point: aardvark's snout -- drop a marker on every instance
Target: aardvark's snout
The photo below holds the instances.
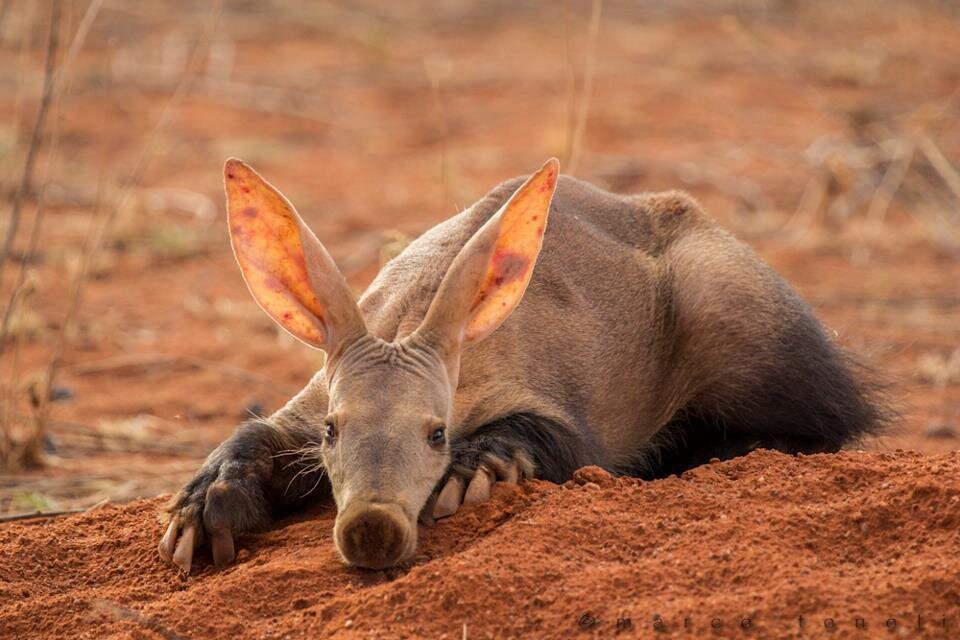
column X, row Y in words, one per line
column 374, row 535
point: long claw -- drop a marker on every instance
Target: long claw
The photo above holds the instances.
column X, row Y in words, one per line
column 426, row 514
column 169, row 540
column 183, row 556
column 480, row 485
column 221, row 542
column 450, row 498
column 513, row 474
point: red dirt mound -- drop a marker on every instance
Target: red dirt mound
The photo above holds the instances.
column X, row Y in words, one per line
column 763, row 546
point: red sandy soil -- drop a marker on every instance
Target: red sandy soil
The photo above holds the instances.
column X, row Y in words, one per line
column 756, row 542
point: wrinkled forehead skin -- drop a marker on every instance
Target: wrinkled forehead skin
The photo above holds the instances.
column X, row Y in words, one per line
column 378, row 378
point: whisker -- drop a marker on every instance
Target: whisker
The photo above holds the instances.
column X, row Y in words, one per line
column 296, row 475
column 317, row 483
column 286, row 452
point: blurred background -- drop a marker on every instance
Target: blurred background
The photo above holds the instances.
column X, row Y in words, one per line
column 825, row 134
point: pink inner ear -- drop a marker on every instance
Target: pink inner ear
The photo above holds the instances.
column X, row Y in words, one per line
column 506, row 267
column 522, row 225
column 265, row 233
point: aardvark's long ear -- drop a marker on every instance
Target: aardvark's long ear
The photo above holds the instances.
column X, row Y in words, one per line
column 289, row 273
column 487, row 279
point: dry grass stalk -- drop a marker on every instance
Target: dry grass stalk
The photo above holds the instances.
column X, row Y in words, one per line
column 29, row 452
column 436, row 71
column 590, row 64
column 8, row 445
column 900, row 162
column 9, row 455
column 54, row 82
column 98, row 234
column 59, row 77
column 571, row 88
column 939, row 162
column 847, row 173
column 901, row 159
column 26, row 180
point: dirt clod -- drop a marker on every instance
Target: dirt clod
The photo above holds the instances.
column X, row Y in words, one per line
column 593, row 475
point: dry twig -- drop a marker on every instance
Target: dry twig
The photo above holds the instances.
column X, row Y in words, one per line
column 31, row 449
column 26, row 180
column 56, row 85
column 940, row 163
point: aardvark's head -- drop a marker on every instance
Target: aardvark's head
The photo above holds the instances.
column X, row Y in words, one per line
column 384, row 439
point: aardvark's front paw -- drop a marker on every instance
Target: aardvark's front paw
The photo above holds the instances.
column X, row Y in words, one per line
column 472, row 477
column 224, row 500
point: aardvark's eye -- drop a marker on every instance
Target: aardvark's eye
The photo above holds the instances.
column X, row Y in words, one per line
column 438, row 437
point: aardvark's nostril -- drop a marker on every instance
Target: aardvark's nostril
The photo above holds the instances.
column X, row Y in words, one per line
column 374, row 535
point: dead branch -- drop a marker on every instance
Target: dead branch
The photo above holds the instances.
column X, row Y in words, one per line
column 36, row 515
column 56, row 89
column 98, row 237
column 26, row 180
